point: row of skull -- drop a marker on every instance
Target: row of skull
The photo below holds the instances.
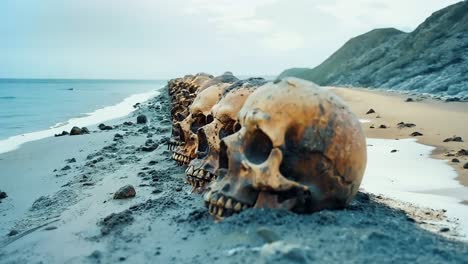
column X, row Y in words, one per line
column 286, row 144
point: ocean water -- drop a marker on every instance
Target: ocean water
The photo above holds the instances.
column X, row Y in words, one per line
column 31, row 106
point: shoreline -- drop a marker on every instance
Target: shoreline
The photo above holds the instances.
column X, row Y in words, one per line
column 107, row 113
column 435, row 119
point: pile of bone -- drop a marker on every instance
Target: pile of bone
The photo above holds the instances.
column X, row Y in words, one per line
column 287, row 144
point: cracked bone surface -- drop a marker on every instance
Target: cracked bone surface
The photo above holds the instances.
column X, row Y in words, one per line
column 184, row 142
column 202, row 169
column 300, row 148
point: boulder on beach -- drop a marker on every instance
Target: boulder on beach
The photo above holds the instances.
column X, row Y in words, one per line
column 75, row 131
column 118, row 137
column 465, row 166
column 128, row 191
column 84, row 130
column 3, row 195
column 104, row 127
column 142, row 119
column 371, row 111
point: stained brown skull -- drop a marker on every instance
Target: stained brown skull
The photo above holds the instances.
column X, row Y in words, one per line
column 202, row 169
column 183, row 91
column 185, row 131
column 300, row 148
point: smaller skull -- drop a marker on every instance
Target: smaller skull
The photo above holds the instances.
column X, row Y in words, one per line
column 185, row 131
column 202, row 169
column 300, row 148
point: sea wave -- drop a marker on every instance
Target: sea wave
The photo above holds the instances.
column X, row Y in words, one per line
column 100, row 115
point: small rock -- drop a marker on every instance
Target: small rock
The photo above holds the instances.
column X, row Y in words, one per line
column 372, row 126
column 465, row 166
column 444, row 229
column 3, row 195
column 393, row 151
column 128, row 123
column 455, row 160
column 128, row 191
column 118, row 137
column 144, row 129
column 282, row 252
column 50, row 228
column 64, row 133
column 403, row 125
column 378, row 116
column 104, row 127
column 383, row 126
column 409, row 99
column 142, row 119
column 72, row 160
column 75, row 131
column 371, row 111
column 66, row 168
column 84, row 130
column 462, row 152
column 13, row 233
column 454, row 139
column 416, row 134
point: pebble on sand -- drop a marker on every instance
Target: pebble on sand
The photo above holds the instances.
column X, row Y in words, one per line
column 465, row 166
column 371, row 111
column 128, row 191
column 142, row 119
column 416, row 134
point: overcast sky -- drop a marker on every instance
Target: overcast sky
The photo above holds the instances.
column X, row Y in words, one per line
column 156, row 39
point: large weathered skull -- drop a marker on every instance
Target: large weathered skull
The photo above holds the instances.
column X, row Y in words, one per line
column 202, row 169
column 185, row 131
column 300, row 148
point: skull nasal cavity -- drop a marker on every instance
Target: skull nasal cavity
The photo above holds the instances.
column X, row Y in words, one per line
column 179, row 133
column 203, row 147
column 258, row 147
column 223, row 157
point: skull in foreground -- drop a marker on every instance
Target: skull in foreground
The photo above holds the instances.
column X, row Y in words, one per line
column 300, row 148
column 185, row 132
column 202, row 169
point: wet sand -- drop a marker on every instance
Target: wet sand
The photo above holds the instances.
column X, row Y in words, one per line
column 435, row 119
column 74, row 219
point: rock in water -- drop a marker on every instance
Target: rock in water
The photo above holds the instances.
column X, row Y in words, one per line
column 75, row 131
column 84, row 130
column 3, row 195
column 128, row 191
column 142, row 119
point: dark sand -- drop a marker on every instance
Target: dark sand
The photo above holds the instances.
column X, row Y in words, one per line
column 81, row 223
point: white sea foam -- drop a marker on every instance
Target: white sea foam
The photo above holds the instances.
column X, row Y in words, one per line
column 411, row 175
column 107, row 113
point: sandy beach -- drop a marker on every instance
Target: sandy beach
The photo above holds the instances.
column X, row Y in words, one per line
column 58, row 215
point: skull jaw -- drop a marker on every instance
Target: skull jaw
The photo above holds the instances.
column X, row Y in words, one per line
column 201, row 172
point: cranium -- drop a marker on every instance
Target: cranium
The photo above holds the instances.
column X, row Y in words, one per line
column 183, row 91
column 202, row 169
column 300, row 148
column 185, row 131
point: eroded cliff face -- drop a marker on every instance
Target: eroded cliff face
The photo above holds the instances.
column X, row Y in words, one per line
column 431, row 59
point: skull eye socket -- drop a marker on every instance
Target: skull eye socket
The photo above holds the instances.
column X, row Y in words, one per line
column 199, row 121
column 223, row 161
column 237, row 127
column 203, row 147
column 258, row 147
column 209, row 118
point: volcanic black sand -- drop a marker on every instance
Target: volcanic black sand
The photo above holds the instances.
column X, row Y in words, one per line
column 164, row 223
